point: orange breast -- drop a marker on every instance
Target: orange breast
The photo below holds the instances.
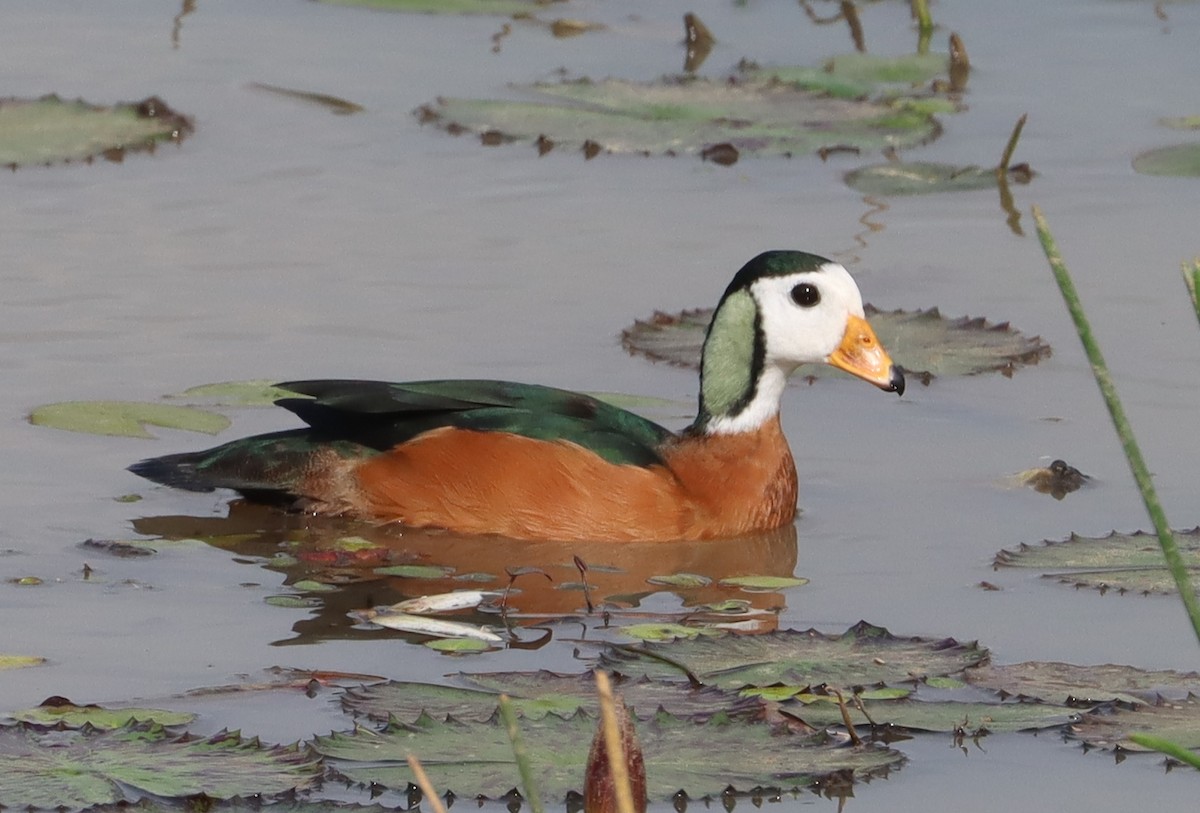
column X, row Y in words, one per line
column 496, row 483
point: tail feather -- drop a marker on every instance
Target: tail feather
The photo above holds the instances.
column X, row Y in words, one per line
column 258, row 466
column 175, row 470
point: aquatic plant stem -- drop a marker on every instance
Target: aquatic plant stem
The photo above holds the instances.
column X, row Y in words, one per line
column 920, row 10
column 1141, row 474
column 1171, row 749
column 1191, row 278
column 425, row 785
column 617, row 766
column 520, row 755
column 1011, row 146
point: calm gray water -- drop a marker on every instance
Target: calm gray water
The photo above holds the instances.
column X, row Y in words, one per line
column 280, row 241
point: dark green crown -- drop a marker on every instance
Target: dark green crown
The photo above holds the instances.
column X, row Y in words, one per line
column 774, row 264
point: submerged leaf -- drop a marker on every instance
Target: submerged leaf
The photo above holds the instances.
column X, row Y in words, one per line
column 923, row 342
column 701, row 759
column 864, row 655
column 1181, row 160
column 686, row 116
column 126, row 418
column 51, row 130
column 1121, row 562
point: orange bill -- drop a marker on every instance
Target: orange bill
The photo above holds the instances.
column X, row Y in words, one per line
column 861, row 354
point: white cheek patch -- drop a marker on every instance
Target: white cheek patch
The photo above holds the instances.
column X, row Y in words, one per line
column 798, row 335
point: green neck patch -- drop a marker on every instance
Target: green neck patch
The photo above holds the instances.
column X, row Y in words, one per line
column 732, row 359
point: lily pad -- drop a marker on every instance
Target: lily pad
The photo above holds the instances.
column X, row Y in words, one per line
column 684, row 115
column 1177, row 721
column 475, row 759
column 764, row 583
column 51, row 130
column 458, row 645
column 917, row 715
column 415, row 571
column 680, row 580
column 61, row 712
column 1180, row 161
column 536, row 694
column 665, row 631
column 857, row 75
column 923, row 342
column 1071, row 685
column 126, row 418
column 255, row 392
column 865, row 655
column 1120, row 562
column 86, row 767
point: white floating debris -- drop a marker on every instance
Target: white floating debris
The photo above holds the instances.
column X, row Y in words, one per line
column 443, row 602
column 423, row 625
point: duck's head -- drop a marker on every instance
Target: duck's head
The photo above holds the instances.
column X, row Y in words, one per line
column 784, row 309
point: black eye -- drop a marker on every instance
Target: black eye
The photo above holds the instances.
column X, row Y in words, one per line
column 806, row 295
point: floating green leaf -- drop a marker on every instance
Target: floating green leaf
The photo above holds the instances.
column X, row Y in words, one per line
column 1068, row 684
column 85, row 767
column 459, row 645
column 19, row 661
column 923, row 342
column 701, row 759
column 72, row 716
column 665, row 631
column 1181, row 122
column 680, row 580
column 126, row 418
column 685, row 116
column 293, row 602
column 764, row 583
column 1180, row 161
column 255, row 392
column 415, row 571
column 1120, row 562
column 49, row 130
column 856, row 75
column 865, row 655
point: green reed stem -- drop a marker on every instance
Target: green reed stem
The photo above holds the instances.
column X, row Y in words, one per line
column 1191, row 277
column 1171, row 749
column 520, row 755
column 920, row 10
column 1133, row 454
